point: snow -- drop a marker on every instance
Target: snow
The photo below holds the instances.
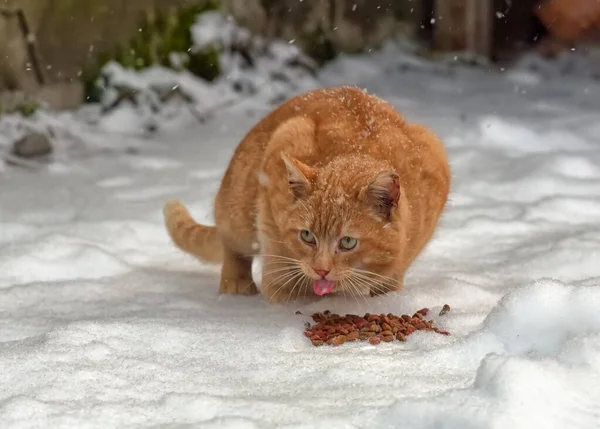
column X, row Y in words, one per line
column 103, row 323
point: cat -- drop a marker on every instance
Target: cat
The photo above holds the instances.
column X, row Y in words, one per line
column 334, row 190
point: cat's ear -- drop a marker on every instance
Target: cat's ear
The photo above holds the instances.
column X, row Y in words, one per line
column 300, row 176
column 383, row 193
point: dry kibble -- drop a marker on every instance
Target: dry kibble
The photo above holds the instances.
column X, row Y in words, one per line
column 374, row 340
column 445, row 309
column 420, row 326
column 373, row 318
column 423, row 312
column 338, row 340
column 336, row 330
column 352, row 336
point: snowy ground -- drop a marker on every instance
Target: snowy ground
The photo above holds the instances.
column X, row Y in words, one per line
column 104, row 324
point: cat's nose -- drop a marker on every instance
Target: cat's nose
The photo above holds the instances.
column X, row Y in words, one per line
column 322, row 273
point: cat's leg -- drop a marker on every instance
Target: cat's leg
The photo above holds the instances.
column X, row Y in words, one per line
column 281, row 283
column 236, row 274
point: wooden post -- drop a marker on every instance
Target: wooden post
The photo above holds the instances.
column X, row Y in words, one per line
column 463, row 25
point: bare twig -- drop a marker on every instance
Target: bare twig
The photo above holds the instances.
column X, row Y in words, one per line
column 29, row 38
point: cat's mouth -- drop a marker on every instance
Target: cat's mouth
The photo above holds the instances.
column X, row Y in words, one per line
column 323, row 286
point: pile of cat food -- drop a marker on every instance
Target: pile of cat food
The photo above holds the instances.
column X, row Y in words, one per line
column 335, row 330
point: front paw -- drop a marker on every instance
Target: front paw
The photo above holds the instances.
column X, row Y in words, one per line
column 237, row 286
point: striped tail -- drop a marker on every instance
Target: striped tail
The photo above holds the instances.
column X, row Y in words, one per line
column 199, row 240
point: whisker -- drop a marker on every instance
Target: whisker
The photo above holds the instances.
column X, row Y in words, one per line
column 282, row 277
column 279, row 270
column 297, row 274
column 293, row 289
column 385, row 281
column 356, row 292
column 360, row 285
column 374, row 282
column 371, row 273
column 280, row 257
column 345, row 285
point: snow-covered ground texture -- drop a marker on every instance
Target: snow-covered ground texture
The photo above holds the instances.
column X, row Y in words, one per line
column 104, row 324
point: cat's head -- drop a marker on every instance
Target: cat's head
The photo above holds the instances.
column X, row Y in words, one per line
column 343, row 224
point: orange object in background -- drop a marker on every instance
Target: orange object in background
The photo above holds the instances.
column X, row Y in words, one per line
column 569, row 20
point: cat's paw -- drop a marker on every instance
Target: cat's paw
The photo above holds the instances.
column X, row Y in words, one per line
column 237, row 286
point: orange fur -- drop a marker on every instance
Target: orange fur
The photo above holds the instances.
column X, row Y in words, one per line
column 337, row 162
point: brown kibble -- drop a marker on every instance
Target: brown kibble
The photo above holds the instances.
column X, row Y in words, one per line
column 352, row 336
column 361, row 323
column 298, row 312
column 423, row 312
column 338, row 340
column 420, row 326
column 335, row 330
column 373, row 318
column 445, row 309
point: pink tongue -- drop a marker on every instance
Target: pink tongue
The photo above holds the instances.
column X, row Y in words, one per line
column 323, row 287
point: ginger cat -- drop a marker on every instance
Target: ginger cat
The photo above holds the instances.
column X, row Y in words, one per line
column 333, row 189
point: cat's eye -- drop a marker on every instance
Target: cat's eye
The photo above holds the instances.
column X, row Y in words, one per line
column 348, row 243
column 308, row 237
